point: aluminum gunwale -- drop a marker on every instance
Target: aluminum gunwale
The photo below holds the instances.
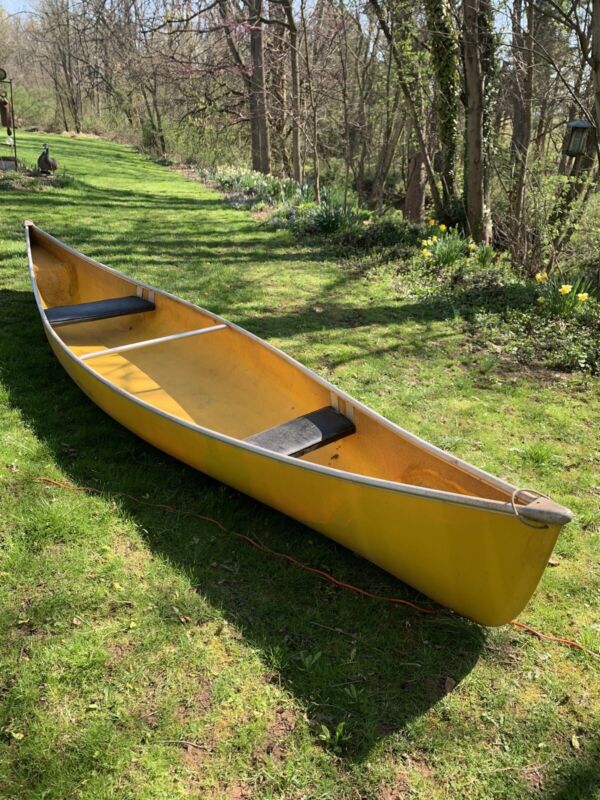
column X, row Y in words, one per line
column 495, row 506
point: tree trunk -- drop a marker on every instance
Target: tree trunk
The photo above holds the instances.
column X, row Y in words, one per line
column 522, row 95
column 275, row 58
column 411, row 106
column 314, row 113
column 385, row 159
column 414, row 203
column 476, row 28
column 294, row 90
column 257, row 87
column 249, row 85
column 160, row 133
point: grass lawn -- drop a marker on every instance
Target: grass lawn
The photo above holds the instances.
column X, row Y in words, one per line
column 128, row 631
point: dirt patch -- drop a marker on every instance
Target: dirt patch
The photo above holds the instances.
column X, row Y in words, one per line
column 533, row 777
column 117, row 652
column 399, row 790
column 505, row 653
column 278, row 731
column 229, row 791
column 203, row 700
column 238, row 791
column 418, row 763
column 192, row 757
column 135, row 556
column 200, row 705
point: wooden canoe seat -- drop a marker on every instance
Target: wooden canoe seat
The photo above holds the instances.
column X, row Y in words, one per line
column 306, row 433
column 100, row 309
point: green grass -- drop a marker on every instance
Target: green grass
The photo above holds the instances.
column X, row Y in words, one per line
column 126, row 630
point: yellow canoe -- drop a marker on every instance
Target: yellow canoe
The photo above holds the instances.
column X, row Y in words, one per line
column 231, row 405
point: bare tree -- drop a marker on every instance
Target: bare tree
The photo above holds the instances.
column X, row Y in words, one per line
column 478, row 53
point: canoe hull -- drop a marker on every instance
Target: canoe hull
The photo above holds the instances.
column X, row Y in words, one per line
column 482, row 564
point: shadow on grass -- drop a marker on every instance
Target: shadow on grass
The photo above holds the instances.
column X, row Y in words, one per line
column 333, row 314
column 347, row 659
column 579, row 779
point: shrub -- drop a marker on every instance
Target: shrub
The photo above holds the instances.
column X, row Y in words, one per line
column 328, row 217
column 317, row 219
column 485, row 256
column 444, row 248
column 389, row 231
column 250, row 188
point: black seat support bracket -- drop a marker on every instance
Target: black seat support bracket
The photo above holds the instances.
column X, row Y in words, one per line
column 306, row 433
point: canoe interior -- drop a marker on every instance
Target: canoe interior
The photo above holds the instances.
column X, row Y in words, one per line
column 225, row 380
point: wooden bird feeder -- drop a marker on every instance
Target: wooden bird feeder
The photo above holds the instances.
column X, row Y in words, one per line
column 577, row 134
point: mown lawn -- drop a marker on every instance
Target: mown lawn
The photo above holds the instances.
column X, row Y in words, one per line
column 128, row 631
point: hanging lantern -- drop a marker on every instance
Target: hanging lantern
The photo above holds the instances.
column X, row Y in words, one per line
column 2, row 74
column 577, row 133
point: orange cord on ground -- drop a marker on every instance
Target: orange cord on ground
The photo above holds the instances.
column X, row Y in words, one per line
column 313, row 570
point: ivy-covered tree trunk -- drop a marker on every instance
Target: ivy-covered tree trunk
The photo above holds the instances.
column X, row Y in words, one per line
column 576, row 191
column 445, row 54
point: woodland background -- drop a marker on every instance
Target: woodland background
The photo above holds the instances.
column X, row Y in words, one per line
column 446, row 108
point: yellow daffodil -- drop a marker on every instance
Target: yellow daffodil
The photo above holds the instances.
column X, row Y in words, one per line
column 565, row 288
column 582, row 297
column 426, row 253
column 541, row 277
column 472, row 247
column 541, row 299
column 443, row 228
column 432, row 222
column 434, row 238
